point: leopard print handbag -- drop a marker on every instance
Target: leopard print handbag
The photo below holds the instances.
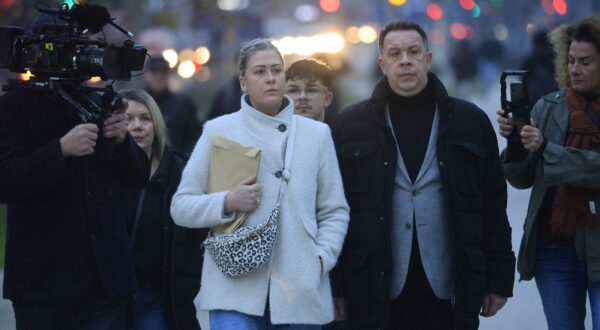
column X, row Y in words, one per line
column 248, row 248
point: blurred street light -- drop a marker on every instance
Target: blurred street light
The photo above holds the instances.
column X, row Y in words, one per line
column 186, row 69
column 6, row 4
column 186, row 54
column 435, row 11
column 201, row 55
column 459, row 31
column 306, row 13
column 560, row 6
column 500, row 32
column 476, row 11
column 367, row 34
column 231, row 5
column 467, row 4
column 397, row 3
column 170, row 55
column 329, row 6
column 352, row 35
column 331, row 42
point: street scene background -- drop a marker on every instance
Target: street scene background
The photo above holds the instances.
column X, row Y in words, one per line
column 471, row 41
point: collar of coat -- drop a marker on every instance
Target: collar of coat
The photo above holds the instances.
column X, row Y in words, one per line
column 443, row 102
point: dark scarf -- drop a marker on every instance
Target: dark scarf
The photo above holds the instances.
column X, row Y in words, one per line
column 571, row 204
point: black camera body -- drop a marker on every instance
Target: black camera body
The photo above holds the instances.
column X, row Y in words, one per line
column 518, row 105
column 61, row 57
column 62, row 49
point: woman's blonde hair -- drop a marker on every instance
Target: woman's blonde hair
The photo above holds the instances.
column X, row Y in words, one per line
column 161, row 140
column 587, row 30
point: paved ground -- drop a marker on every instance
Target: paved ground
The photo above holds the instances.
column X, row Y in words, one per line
column 523, row 311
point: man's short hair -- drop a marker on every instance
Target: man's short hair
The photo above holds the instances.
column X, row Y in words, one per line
column 402, row 26
column 311, row 70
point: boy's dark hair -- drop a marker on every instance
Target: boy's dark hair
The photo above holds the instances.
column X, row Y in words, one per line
column 402, row 26
column 311, row 70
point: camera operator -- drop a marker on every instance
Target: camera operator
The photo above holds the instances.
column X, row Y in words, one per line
column 68, row 264
column 558, row 156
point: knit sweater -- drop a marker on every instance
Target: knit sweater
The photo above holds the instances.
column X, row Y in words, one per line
column 313, row 218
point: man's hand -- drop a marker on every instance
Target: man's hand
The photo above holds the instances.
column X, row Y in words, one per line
column 492, row 303
column 79, row 141
column 339, row 308
column 116, row 127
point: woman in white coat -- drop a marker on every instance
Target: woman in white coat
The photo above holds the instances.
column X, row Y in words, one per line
column 293, row 289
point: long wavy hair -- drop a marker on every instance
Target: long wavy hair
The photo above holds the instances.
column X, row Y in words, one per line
column 587, row 30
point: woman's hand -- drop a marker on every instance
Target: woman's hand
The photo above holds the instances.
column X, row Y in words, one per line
column 531, row 137
column 505, row 124
column 244, row 197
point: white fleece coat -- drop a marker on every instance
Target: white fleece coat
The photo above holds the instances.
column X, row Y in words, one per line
column 313, row 218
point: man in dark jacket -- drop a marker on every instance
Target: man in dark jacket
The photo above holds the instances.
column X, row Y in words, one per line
column 429, row 244
column 179, row 110
column 68, row 264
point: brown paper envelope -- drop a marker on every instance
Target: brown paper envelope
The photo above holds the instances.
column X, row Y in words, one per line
column 230, row 163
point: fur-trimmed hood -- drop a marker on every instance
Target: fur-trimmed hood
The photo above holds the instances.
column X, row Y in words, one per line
column 559, row 38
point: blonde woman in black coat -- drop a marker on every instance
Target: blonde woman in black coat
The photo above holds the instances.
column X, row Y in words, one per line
column 167, row 258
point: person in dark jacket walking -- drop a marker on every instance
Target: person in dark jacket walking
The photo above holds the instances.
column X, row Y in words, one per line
column 68, row 264
column 429, row 243
column 179, row 111
column 167, row 258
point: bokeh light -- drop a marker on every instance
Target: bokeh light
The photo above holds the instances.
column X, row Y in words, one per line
column 352, row 35
column 500, row 32
column 186, row 69
column 560, row 6
column 459, row 31
column 548, row 7
column 434, row 11
column 467, row 4
column 331, row 42
column 201, row 55
column 329, row 6
column 367, row 34
column 230, row 5
column 397, row 3
column 171, row 56
column 94, row 80
column 476, row 12
column 26, row 76
column 306, row 13
column 186, row 54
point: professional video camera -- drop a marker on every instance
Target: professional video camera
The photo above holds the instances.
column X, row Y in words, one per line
column 61, row 57
column 60, row 47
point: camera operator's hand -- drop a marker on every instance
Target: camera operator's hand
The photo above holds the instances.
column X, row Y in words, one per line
column 532, row 137
column 116, row 127
column 79, row 141
column 505, row 124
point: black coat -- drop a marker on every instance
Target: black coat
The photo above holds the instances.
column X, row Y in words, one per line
column 475, row 198
column 183, row 250
column 66, row 216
